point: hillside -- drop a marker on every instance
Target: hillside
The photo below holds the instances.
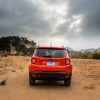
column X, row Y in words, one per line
column 16, row 45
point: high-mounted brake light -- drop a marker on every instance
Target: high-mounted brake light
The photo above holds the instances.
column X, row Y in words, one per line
column 67, row 61
column 33, row 60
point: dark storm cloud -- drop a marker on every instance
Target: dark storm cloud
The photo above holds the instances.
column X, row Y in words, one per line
column 66, row 19
column 90, row 9
column 21, row 16
column 3, row 13
column 24, row 16
column 90, row 23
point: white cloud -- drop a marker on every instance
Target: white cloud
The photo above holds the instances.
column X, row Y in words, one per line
column 77, row 19
column 56, row 41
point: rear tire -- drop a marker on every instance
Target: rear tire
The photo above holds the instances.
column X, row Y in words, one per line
column 67, row 82
column 31, row 80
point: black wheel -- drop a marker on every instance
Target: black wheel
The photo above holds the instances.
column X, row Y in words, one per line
column 31, row 80
column 67, row 82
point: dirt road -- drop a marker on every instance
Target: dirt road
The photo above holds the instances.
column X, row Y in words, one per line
column 84, row 87
column 17, row 88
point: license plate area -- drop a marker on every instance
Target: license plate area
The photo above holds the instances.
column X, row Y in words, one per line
column 50, row 63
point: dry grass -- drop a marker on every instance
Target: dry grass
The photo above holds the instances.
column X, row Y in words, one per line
column 13, row 64
column 21, row 65
column 87, row 66
column 3, row 54
column 90, row 86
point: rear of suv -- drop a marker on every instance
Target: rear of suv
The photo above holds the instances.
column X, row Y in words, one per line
column 50, row 63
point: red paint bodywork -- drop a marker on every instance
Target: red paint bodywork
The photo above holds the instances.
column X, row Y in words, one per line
column 60, row 65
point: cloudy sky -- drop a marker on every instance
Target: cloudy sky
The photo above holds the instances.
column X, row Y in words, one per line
column 69, row 23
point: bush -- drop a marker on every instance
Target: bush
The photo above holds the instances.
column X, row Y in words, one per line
column 96, row 55
column 85, row 55
column 3, row 82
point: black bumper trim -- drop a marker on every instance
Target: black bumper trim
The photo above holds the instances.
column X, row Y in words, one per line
column 44, row 75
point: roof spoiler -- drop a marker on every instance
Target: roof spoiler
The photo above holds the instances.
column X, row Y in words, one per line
column 62, row 46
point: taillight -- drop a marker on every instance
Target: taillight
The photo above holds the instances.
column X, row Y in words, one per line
column 33, row 60
column 67, row 61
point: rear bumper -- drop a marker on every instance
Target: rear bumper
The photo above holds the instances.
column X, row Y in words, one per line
column 42, row 75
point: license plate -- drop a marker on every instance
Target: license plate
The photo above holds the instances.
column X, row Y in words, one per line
column 50, row 63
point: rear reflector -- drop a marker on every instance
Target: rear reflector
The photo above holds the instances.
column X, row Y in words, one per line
column 67, row 76
column 33, row 75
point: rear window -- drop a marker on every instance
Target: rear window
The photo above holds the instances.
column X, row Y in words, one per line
column 51, row 52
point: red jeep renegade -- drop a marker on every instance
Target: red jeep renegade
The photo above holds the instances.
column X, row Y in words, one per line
column 50, row 63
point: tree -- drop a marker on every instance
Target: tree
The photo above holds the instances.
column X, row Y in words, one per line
column 96, row 54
